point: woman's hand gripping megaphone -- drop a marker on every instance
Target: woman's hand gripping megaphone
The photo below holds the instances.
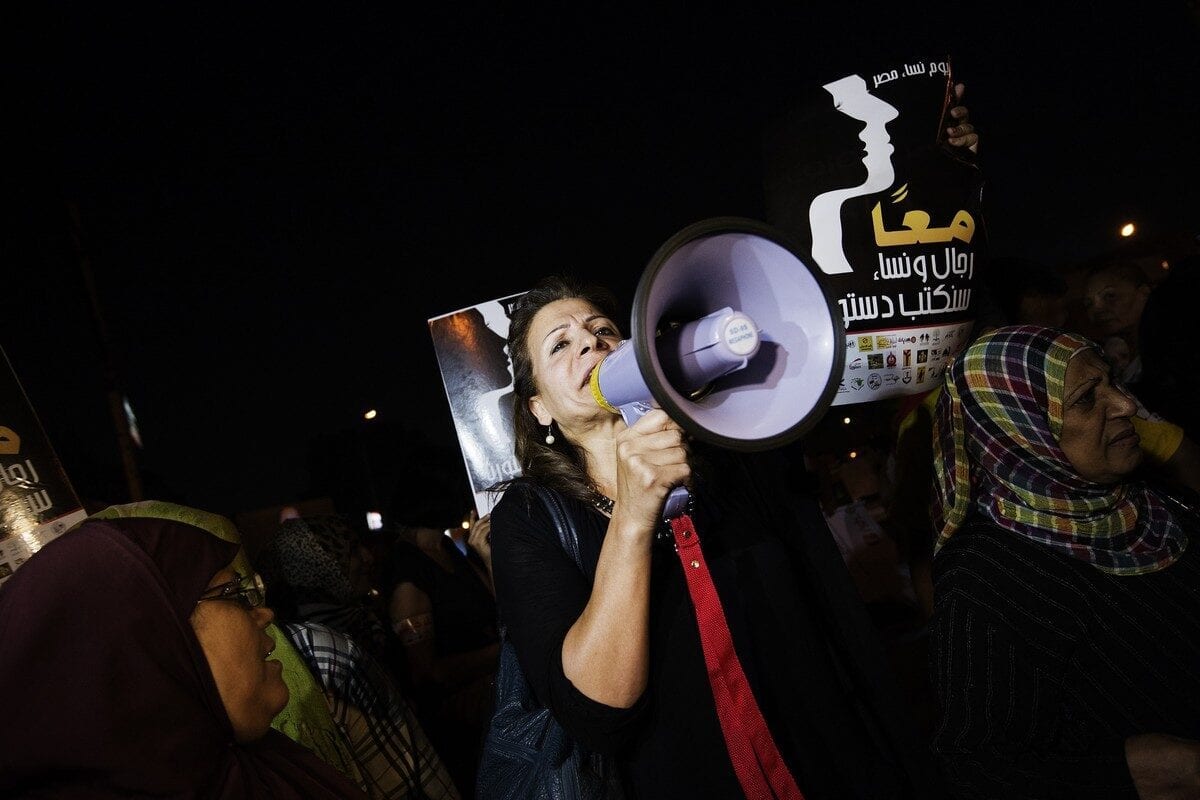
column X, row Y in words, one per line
column 692, row 356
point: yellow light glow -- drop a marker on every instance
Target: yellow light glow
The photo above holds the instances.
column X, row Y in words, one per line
column 372, row 414
column 854, row 454
column 1128, row 229
column 846, row 420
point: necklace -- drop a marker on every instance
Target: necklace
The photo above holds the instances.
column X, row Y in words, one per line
column 662, row 534
column 602, row 502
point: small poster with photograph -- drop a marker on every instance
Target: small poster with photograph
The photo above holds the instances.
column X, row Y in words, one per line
column 471, row 351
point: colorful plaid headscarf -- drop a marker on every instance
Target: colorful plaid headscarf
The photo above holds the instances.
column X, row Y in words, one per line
column 996, row 430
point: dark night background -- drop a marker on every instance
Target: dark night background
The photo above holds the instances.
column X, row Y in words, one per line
column 272, row 199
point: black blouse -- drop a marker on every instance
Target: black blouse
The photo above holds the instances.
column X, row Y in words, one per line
column 800, row 631
column 1044, row 665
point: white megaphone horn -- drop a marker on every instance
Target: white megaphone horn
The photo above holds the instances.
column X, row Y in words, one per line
column 732, row 335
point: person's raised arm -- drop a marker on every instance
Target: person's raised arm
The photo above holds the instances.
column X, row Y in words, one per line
column 962, row 133
column 606, row 652
column 479, row 539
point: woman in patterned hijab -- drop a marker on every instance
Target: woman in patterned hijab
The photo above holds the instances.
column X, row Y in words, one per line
column 318, row 577
column 1065, row 639
column 315, row 572
column 999, row 429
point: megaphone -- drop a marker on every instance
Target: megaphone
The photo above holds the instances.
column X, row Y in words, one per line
column 732, row 335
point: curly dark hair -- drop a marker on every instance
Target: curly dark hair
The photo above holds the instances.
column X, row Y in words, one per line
column 560, row 466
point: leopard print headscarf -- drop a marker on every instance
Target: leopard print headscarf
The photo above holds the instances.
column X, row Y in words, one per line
column 309, row 562
column 312, row 556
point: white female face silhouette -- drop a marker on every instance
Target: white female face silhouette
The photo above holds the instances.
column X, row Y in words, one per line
column 850, row 97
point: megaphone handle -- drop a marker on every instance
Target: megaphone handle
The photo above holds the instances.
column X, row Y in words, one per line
column 677, row 503
column 677, row 500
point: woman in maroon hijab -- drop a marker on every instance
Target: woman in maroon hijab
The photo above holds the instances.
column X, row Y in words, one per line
column 134, row 663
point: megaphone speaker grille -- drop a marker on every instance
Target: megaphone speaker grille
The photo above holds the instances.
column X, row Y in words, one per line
column 790, row 382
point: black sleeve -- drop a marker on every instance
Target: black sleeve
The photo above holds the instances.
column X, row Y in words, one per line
column 1007, row 727
column 541, row 593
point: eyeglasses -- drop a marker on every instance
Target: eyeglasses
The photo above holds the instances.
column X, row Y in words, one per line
column 250, row 591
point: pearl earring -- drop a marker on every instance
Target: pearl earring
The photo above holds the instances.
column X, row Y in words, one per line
column 549, row 434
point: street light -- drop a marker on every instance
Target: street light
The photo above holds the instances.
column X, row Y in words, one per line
column 1128, row 229
column 374, row 518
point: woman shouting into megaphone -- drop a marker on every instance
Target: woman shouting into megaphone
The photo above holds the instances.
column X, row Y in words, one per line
column 723, row 653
